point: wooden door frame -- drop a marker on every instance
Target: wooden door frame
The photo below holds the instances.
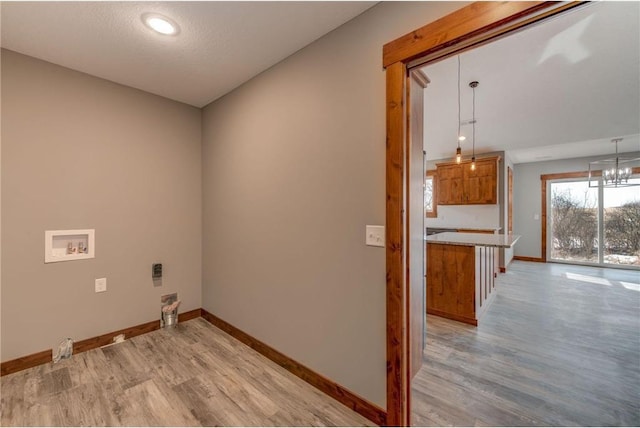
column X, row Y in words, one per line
column 463, row 29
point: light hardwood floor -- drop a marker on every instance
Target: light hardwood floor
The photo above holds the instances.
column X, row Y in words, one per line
column 192, row 375
column 560, row 346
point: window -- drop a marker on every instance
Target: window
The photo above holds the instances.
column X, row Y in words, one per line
column 431, row 194
column 597, row 226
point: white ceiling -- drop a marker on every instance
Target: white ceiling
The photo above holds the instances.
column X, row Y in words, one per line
column 561, row 89
column 220, row 45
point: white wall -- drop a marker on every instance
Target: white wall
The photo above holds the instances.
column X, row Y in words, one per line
column 293, row 170
column 527, row 198
column 466, row 216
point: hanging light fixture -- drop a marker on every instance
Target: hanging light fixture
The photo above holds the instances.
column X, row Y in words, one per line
column 460, row 137
column 473, row 86
column 615, row 172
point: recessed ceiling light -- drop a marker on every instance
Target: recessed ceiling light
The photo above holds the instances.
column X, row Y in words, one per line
column 160, row 24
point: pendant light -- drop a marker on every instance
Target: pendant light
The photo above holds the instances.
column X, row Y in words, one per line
column 460, row 137
column 615, row 172
column 473, row 86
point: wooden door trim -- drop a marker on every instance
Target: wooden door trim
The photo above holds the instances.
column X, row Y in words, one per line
column 471, row 24
column 476, row 23
column 397, row 368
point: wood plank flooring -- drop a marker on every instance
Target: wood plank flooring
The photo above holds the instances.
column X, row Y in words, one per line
column 193, row 375
column 560, row 346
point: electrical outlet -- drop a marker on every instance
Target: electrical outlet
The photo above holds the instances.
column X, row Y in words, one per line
column 101, row 285
column 375, row 236
column 156, row 271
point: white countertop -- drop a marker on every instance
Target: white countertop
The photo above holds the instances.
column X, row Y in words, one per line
column 475, row 239
column 494, row 228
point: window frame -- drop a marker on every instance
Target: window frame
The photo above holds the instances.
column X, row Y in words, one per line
column 433, row 213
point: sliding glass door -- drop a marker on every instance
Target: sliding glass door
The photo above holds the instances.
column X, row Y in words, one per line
column 574, row 221
column 621, row 225
column 593, row 225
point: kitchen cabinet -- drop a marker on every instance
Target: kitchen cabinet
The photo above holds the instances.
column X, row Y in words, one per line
column 460, row 277
column 450, row 186
column 459, row 185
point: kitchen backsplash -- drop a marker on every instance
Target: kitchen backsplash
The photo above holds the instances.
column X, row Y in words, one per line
column 460, row 216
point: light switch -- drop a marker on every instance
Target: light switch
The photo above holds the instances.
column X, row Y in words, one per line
column 375, row 236
column 101, row 285
column 536, row 216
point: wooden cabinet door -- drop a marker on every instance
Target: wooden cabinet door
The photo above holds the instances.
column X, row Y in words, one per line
column 481, row 185
column 450, row 185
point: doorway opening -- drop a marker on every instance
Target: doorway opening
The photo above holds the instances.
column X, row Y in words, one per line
column 468, row 27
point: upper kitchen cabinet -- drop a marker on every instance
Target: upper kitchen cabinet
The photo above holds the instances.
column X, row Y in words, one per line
column 450, row 184
column 459, row 185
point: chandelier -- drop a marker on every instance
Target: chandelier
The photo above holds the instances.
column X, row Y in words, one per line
column 615, row 172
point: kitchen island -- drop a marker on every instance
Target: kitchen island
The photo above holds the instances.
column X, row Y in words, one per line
column 461, row 273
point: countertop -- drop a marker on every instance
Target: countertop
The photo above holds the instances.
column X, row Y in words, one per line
column 476, row 239
column 497, row 228
column 455, row 228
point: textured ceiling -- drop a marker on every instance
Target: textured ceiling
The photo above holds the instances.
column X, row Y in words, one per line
column 561, row 89
column 220, row 45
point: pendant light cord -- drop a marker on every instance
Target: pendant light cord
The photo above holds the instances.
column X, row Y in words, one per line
column 458, row 101
column 473, row 114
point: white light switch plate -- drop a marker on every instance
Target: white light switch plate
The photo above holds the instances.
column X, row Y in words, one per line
column 375, row 236
column 101, row 285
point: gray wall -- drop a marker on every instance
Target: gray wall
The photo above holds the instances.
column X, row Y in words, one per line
column 527, row 198
column 507, row 253
column 293, row 170
column 81, row 152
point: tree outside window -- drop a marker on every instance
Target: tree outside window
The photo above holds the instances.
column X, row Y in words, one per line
column 430, row 194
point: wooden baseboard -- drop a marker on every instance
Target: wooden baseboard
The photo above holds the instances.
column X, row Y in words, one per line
column 25, row 362
column 503, row 269
column 329, row 387
column 189, row 315
column 44, row 357
column 106, row 339
column 529, row 259
column 454, row 317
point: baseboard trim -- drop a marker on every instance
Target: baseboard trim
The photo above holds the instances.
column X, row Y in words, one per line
column 189, row 315
column 529, row 259
column 329, row 387
column 106, row 339
column 80, row 346
column 503, row 269
column 25, row 362
column 459, row 318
